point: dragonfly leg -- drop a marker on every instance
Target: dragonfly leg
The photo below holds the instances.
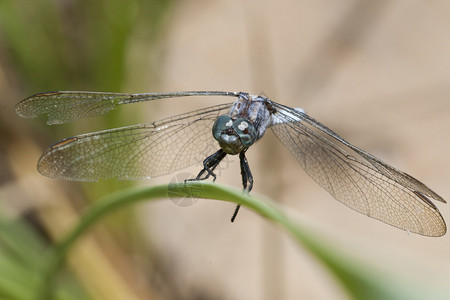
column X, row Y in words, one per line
column 247, row 178
column 209, row 164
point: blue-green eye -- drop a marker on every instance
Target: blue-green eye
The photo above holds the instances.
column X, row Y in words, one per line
column 221, row 124
column 246, row 132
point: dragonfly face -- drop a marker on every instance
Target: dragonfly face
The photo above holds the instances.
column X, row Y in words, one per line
column 248, row 119
column 233, row 135
column 350, row 174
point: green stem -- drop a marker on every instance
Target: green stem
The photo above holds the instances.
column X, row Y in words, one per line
column 359, row 280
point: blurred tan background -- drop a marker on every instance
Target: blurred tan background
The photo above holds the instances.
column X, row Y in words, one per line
column 376, row 72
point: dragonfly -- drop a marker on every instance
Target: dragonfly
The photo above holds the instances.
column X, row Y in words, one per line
column 351, row 175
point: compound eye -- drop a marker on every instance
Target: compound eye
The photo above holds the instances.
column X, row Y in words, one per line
column 246, row 132
column 222, row 124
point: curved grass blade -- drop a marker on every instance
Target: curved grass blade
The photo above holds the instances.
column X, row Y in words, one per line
column 359, row 280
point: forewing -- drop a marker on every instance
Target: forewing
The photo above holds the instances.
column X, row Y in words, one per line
column 135, row 152
column 357, row 178
column 66, row 106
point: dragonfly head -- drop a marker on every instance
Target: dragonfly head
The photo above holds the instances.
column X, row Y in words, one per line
column 234, row 135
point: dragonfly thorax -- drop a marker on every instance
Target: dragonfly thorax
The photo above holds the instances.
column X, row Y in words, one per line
column 233, row 135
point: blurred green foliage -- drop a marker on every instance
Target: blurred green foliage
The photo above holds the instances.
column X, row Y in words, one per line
column 49, row 45
column 23, row 261
column 76, row 44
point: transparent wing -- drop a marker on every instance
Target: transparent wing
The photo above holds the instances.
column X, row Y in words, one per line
column 357, row 178
column 62, row 107
column 135, row 152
